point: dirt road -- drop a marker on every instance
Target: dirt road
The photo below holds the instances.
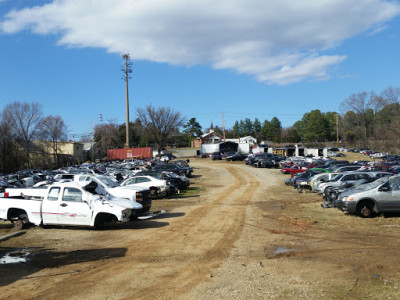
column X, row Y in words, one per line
column 239, row 233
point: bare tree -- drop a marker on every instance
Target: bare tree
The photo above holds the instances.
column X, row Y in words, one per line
column 10, row 159
column 25, row 121
column 160, row 123
column 364, row 105
column 53, row 129
column 391, row 95
column 106, row 137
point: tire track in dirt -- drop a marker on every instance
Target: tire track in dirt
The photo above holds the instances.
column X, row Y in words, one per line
column 170, row 261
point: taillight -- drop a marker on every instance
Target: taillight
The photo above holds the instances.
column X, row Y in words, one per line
column 6, row 195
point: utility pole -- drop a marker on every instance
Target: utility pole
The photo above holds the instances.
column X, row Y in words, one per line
column 223, row 125
column 127, row 70
column 337, row 130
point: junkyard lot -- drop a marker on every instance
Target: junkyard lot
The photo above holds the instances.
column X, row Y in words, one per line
column 219, row 242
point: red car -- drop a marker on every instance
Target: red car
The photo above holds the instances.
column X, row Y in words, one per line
column 294, row 170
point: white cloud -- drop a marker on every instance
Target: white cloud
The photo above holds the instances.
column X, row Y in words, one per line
column 277, row 42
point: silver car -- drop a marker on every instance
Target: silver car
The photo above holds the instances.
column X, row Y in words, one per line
column 341, row 179
column 382, row 195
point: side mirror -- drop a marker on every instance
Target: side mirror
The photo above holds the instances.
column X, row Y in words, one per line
column 384, row 188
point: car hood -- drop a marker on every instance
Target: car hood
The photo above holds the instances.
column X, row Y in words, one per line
column 125, row 203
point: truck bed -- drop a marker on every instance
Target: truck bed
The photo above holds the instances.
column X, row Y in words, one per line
column 29, row 193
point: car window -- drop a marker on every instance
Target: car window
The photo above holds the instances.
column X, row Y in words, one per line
column 142, row 179
column 337, row 177
column 72, row 194
column 364, row 176
column 84, row 178
column 323, row 177
column 395, row 183
column 348, row 177
column 130, row 181
column 53, row 194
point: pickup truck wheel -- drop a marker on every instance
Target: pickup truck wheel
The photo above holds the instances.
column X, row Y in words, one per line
column 99, row 223
column 18, row 225
column 21, row 222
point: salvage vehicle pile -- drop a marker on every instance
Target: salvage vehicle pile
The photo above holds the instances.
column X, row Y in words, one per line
column 365, row 188
column 90, row 194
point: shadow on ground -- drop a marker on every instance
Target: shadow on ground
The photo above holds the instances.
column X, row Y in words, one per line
column 40, row 258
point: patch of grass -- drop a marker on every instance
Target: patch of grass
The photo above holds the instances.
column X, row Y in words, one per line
column 186, row 193
column 350, row 156
column 369, row 286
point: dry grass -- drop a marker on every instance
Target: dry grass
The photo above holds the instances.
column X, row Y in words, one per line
column 350, row 156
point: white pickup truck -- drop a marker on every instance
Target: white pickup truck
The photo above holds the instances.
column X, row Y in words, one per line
column 105, row 185
column 65, row 203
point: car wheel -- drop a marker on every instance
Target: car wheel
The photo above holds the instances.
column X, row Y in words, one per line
column 366, row 209
column 99, row 222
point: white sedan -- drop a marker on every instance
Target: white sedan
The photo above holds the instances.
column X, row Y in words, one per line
column 156, row 186
column 378, row 155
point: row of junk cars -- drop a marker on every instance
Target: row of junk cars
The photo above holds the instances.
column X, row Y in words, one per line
column 153, row 178
column 365, row 188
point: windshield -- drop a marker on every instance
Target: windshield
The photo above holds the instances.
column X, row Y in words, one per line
column 107, row 181
column 373, row 184
column 337, row 177
column 172, row 175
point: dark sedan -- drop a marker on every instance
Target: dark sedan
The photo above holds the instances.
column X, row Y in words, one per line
column 236, row 156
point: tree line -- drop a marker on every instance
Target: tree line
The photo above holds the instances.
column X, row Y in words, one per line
column 365, row 120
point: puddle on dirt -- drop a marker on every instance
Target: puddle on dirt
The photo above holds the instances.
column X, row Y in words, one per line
column 278, row 206
column 16, row 256
column 282, row 252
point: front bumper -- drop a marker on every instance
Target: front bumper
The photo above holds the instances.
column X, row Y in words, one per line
column 144, row 199
column 346, row 206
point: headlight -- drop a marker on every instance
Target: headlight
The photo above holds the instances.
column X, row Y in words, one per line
column 344, row 198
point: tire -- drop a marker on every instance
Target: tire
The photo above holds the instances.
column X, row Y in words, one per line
column 22, row 222
column 99, row 222
column 365, row 209
column 18, row 225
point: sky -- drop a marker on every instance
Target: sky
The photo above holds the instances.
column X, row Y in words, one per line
column 216, row 61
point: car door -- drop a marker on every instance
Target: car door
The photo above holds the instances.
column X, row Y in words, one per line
column 347, row 178
column 143, row 182
column 50, row 206
column 72, row 210
column 389, row 200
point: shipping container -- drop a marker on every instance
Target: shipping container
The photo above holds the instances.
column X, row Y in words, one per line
column 129, row 153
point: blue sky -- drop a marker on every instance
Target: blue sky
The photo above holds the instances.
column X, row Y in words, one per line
column 246, row 59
